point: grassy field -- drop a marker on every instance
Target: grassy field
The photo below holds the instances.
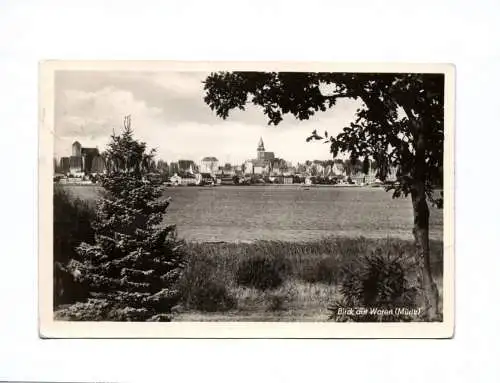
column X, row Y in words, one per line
column 305, row 275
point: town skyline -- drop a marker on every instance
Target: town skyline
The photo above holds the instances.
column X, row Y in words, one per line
column 86, row 165
column 169, row 114
column 220, row 160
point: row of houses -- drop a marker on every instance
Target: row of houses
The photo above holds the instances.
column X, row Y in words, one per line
column 188, row 179
column 200, row 179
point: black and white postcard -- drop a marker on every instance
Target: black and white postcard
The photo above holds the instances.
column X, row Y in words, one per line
column 246, row 200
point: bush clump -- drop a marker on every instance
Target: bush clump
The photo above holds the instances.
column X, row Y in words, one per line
column 202, row 290
column 72, row 225
column 379, row 280
column 262, row 272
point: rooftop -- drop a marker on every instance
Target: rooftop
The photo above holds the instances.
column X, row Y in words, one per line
column 210, row 159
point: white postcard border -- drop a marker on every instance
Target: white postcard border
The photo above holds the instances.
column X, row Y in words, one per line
column 49, row 328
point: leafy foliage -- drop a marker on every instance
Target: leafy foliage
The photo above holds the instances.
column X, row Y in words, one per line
column 135, row 262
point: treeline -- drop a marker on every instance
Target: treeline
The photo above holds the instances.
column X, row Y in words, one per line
column 350, row 166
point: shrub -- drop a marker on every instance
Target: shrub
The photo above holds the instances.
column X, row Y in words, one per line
column 326, row 270
column 377, row 280
column 72, row 225
column 201, row 289
column 262, row 272
column 210, row 296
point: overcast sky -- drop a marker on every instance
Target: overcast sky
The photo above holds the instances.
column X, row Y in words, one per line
column 168, row 113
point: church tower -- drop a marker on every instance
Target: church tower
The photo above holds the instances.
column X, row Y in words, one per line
column 76, row 149
column 260, row 150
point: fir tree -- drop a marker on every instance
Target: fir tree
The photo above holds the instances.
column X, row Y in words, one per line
column 133, row 267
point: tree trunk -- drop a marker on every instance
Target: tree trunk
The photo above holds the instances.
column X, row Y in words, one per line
column 429, row 295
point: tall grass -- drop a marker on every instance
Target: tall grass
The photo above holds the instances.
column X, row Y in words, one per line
column 308, row 261
column 202, row 290
column 285, row 279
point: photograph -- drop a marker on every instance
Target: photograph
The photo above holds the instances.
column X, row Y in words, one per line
column 241, row 200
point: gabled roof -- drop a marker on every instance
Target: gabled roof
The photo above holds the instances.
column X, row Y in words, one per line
column 210, row 159
column 260, row 163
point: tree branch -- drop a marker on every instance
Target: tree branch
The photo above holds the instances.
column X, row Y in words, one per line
column 343, row 95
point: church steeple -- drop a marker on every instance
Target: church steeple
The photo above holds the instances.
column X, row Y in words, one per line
column 260, row 149
column 261, row 145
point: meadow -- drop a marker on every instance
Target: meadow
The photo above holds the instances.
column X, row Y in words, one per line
column 271, row 253
column 279, row 281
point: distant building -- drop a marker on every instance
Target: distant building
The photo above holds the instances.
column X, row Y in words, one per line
column 188, row 179
column 338, row 169
column 281, row 179
column 263, row 163
column 260, row 167
column 75, row 165
column 76, row 149
column 228, row 170
column 83, row 161
column 319, row 168
column 184, row 179
column 219, row 172
column 262, row 154
column 64, row 165
column 247, row 167
column 176, row 179
column 204, row 179
column 209, row 165
column 362, row 178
